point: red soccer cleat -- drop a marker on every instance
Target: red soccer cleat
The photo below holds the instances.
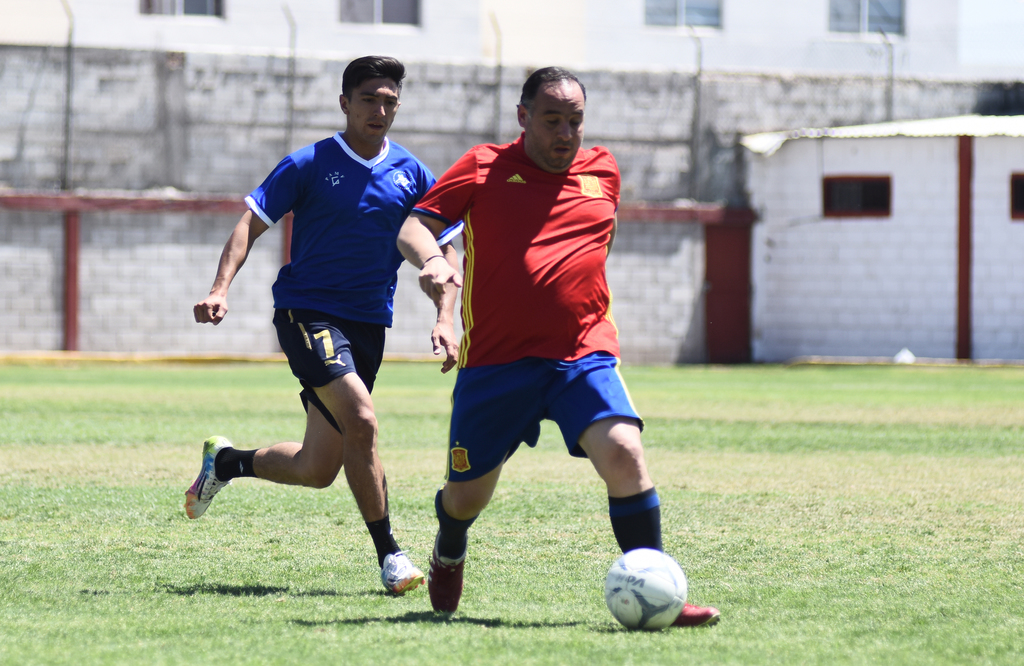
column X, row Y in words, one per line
column 697, row 616
column 444, row 583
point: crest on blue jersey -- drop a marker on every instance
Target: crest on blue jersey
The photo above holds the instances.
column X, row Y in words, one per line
column 401, row 179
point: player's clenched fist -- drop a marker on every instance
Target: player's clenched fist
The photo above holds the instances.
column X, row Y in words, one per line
column 435, row 275
column 210, row 310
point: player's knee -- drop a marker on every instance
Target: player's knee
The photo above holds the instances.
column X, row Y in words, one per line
column 625, row 457
column 467, row 508
column 361, row 430
column 466, row 500
column 321, row 477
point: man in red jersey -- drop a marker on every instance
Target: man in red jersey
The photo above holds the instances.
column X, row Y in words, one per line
column 538, row 340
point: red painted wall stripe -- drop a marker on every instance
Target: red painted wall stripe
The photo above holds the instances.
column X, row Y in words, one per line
column 963, row 298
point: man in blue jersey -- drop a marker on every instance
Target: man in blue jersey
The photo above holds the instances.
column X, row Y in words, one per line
column 350, row 195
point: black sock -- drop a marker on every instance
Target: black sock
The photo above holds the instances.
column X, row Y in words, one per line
column 452, row 537
column 231, row 463
column 383, row 539
column 636, row 520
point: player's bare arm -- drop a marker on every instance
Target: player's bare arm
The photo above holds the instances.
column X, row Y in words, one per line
column 417, row 241
column 213, row 308
column 443, row 336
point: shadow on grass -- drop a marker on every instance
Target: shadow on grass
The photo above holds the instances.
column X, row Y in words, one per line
column 430, row 617
column 244, row 591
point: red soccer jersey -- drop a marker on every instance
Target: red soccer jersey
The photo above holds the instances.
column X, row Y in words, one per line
column 535, row 250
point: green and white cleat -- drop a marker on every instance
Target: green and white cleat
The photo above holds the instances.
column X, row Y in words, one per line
column 399, row 574
column 206, row 485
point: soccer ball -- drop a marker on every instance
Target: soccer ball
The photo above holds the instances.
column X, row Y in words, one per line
column 645, row 589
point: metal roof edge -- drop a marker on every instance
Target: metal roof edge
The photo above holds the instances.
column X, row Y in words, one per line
column 766, row 143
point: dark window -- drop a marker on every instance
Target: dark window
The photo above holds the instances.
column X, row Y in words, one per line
column 188, row 7
column 866, row 16
column 1017, row 196
column 380, row 11
column 857, row 196
column 683, row 12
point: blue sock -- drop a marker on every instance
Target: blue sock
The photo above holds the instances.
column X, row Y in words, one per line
column 636, row 520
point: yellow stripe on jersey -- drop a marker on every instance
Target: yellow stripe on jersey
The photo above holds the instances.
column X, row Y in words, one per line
column 467, row 291
column 608, row 314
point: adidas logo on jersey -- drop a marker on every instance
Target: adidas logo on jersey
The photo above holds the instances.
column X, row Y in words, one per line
column 516, row 179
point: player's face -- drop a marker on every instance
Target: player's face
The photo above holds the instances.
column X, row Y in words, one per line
column 371, row 109
column 554, row 126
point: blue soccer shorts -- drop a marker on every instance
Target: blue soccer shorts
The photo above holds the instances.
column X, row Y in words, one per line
column 321, row 347
column 495, row 408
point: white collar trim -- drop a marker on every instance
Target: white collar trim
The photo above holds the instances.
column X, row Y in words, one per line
column 369, row 164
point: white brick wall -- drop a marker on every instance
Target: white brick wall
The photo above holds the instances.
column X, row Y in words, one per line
column 998, row 289
column 856, row 286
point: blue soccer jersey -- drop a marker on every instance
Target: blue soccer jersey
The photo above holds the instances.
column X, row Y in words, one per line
column 347, row 214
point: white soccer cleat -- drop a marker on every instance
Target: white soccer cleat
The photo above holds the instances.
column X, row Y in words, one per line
column 399, row 574
column 206, row 485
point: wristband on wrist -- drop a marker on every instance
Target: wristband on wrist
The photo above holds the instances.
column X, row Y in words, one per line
column 436, row 256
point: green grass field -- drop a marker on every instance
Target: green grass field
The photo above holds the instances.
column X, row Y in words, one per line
column 854, row 515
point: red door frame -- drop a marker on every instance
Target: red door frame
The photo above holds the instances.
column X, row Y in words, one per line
column 727, row 292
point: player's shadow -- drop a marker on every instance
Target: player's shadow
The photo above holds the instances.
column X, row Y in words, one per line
column 429, row 617
column 243, row 591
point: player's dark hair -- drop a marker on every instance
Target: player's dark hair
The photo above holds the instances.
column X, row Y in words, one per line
column 546, row 75
column 371, row 67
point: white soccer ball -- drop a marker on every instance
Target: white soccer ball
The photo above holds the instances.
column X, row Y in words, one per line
column 645, row 589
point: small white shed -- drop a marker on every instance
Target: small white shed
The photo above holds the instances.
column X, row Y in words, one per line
column 878, row 237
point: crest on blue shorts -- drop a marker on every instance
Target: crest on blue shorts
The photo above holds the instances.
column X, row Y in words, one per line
column 460, row 459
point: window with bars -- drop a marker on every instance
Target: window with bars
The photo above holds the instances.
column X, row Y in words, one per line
column 866, row 16
column 857, row 196
column 183, row 7
column 381, row 11
column 1017, row 196
column 683, row 12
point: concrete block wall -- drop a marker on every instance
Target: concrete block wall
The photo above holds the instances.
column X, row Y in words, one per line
column 140, row 275
column 656, row 275
column 31, row 280
column 217, row 123
column 855, row 286
column 997, row 297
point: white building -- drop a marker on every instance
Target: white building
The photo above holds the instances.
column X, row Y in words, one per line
column 880, row 237
column 960, row 39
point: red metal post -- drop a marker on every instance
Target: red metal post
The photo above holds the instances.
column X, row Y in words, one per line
column 286, row 242
column 963, row 300
column 72, row 247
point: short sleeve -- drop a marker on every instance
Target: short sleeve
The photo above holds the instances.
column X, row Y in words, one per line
column 452, row 195
column 277, row 194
